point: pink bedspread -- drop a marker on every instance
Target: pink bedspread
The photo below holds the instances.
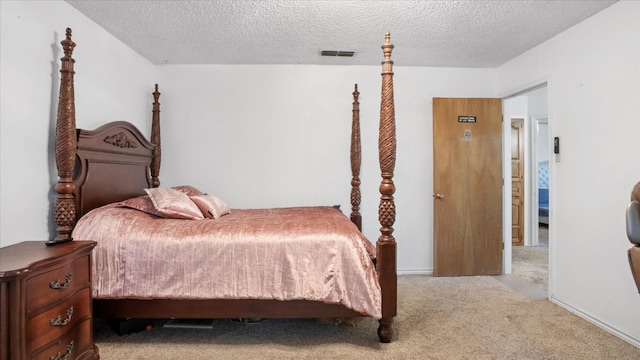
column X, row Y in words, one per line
column 311, row 253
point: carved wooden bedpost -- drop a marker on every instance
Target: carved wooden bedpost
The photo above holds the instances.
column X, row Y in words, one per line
column 155, row 139
column 386, row 245
column 65, row 147
column 356, row 217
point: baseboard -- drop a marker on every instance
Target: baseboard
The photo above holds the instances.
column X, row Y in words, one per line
column 622, row 335
column 415, row 272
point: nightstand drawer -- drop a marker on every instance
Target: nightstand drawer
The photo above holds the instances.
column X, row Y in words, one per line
column 40, row 284
column 73, row 343
column 58, row 321
column 56, row 283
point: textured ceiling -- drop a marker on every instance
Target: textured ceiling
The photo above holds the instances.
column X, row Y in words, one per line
column 463, row 33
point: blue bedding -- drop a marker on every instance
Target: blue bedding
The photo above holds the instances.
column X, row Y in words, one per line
column 543, row 200
column 543, row 192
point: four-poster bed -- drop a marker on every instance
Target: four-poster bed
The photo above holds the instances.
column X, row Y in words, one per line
column 114, row 168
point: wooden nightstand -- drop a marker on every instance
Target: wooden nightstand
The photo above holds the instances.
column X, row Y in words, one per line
column 45, row 301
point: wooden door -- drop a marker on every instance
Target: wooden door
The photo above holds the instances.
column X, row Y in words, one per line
column 467, row 186
column 517, row 182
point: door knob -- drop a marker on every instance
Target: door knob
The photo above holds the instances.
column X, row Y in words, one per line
column 440, row 196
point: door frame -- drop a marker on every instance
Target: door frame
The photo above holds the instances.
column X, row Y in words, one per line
column 531, row 177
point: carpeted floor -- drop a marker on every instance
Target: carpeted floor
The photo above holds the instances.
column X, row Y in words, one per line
column 475, row 317
column 532, row 264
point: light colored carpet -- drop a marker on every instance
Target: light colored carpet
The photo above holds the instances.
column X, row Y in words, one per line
column 438, row 318
column 531, row 264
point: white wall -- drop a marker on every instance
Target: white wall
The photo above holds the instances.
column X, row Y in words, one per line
column 112, row 83
column 263, row 136
column 593, row 74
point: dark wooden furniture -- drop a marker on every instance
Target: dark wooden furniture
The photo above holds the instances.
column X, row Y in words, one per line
column 45, row 301
column 123, row 162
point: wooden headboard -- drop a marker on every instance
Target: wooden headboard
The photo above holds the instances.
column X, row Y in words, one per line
column 118, row 157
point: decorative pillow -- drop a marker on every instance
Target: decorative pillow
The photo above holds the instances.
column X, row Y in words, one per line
column 174, row 204
column 142, row 203
column 211, row 206
column 188, row 189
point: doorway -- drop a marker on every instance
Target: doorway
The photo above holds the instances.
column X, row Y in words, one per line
column 532, row 106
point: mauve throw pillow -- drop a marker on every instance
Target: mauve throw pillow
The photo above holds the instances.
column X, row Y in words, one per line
column 211, row 206
column 189, row 190
column 174, row 204
column 142, row 203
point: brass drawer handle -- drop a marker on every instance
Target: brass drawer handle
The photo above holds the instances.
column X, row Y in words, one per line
column 56, row 284
column 66, row 356
column 59, row 322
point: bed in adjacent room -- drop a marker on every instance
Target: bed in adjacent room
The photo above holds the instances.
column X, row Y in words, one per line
column 543, row 192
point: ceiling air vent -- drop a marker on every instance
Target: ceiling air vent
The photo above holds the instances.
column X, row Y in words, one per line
column 337, row 53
